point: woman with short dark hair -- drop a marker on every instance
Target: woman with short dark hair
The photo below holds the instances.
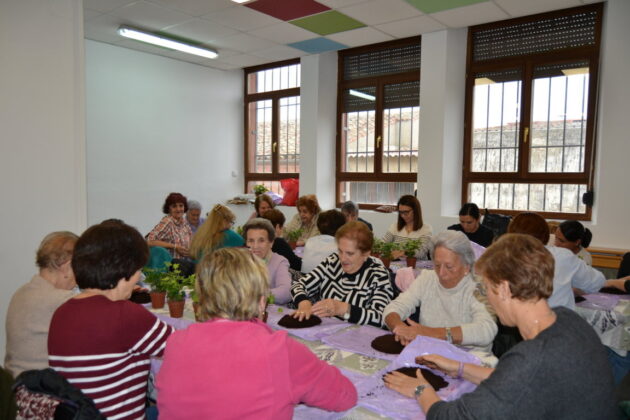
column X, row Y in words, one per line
column 573, row 236
column 173, row 232
column 469, row 223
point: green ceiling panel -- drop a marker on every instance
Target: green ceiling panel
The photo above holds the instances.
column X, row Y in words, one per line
column 327, row 23
column 432, row 6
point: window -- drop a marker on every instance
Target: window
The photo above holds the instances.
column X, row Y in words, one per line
column 272, row 124
column 530, row 113
column 378, row 121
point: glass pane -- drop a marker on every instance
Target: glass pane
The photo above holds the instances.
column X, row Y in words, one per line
column 375, row 192
column 289, row 136
column 496, row 121
column 564, row 198
column 559, row 113
column 357, row 132
column 273, row 186
column 401, row 120
column 286, row 77
column 259, row 136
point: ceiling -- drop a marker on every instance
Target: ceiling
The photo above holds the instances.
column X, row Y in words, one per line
column 264, row 31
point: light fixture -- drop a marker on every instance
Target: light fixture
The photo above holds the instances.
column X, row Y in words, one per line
column 362, row 95
column 165, row 42
column 241, row 1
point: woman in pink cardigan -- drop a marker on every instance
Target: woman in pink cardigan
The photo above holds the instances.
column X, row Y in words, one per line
column 233, row 365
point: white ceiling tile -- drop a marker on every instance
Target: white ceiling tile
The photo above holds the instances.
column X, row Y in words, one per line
column 411, row 27
column 361, row 36
column 374, row 12
column 105, row 6
column 278, row 53
column 521, row 8
column 150, row 16
column 245, row 60
column 242, row 18
column 474, row 14
column 283, row 33
column 243, row 43
column 195, row 7
column 103, row 28
column 218, row 65
column 200, row 30
column 90, row 14
column 335, row 4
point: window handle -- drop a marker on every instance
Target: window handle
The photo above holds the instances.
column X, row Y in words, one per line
column 525, row 135
column 273, row 147
column 378, row 141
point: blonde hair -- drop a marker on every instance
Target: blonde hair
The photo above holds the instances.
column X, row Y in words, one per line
column 55, row 249
column 230, row 284
column 210, row 235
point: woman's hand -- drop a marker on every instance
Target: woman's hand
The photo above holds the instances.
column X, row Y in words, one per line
column 303, row 310
column 406, row 332
column 397, row 254
column 330, row 307
column 441, row 363
column 299, row 243
column 403, row 384
column 182, row 251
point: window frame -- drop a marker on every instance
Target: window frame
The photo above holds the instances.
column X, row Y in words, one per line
column 527, row 63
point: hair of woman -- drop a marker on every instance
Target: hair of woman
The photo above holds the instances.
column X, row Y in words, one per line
column 329, row 221
column 458, row 243
column 410, row 201
column 309, row 202
column 470, row 209
column 574, row 231
column 209, row 236
column 261, row 224
column 275, row 216
column 532, row 224
column 55, row 249
column 358, row 232
column 174, row 198
column 259, row 199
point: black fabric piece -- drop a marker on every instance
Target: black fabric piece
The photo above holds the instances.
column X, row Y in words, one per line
column 624, row 267
column 482, row 236
column 506, row 338
column 282, row 247
column 186, row 267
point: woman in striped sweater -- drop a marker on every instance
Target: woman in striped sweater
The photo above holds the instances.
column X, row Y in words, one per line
column 409, row 226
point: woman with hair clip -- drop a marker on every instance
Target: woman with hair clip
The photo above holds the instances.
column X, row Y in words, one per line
column 573, row 236
column 215, row 233
column 469, row 218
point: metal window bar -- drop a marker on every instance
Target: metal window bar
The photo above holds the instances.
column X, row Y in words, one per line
column 564, row 123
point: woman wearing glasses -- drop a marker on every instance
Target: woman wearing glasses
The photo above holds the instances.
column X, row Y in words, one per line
column 409, row 226
column 216, row 232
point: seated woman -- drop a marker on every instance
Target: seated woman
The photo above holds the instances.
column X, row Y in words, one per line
column 280, row 245
column 573, row 236
column 349, row 284
column 622, row 282
column 215, row 233
column 559, row 371
column 448, row 308
column 32, row 305
column 173, row 232
column 252, row 371
column 193, row 215
column 306, row 219
column 409, row 226
column 259, row 236
column 469, row 217
column 569, row 272
column 98, row 340
column 318, row 248
column 262, row 205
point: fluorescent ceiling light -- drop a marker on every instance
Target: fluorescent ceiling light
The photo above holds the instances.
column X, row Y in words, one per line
column 361, row 95
column 165, row 42
column 574, row 71
column 241, row 1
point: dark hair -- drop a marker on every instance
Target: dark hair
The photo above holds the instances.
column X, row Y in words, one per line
column 350, row 207
column 359, row 232
column 410, row 201
column 470, row 209
column 574, row 231
column 174, row 198
column 260, row 199
column 329, row 221
column 276, row 217
column 106, row 253
column 531, row 224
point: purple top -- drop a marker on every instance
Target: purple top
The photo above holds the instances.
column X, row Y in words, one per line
column 279, row 278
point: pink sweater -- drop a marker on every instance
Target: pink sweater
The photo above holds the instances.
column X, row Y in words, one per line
column 242, row 369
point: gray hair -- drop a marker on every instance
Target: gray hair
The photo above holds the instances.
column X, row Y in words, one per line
column 262, row 224
column 456, row 242
column 350, row 207
column 194, row 205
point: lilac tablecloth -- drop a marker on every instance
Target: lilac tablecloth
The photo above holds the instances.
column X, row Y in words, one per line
column 327, row 327
column 359, row 340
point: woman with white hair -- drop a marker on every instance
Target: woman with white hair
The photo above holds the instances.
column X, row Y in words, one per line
column 193, row 215
column 449, row 309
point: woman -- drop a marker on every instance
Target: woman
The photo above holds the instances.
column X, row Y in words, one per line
column 448, row 308
column 319, row 247
column 559, row 371
column 262, row 205
column 193, row 215
column 409, row 226
column 216, row 232
column 259, row 236
column 100, row 341
column 252, row 371
column 469, row 217
column 573, row 236
column 32, row 306
column 570, row 271
column 349, row 284
column 306, row 219
column 280, row 245
column 173, row 232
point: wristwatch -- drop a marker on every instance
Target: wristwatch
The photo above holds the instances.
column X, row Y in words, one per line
column 419, row 390
column 449, row 336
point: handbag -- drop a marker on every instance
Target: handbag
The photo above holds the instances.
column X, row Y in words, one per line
column 497, row 223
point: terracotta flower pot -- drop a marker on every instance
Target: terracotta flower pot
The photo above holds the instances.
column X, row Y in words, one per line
column 386, row 261
column 411, row 262
column 176, row 308
column 376, row 255
column 293, row 244
column 158, row 299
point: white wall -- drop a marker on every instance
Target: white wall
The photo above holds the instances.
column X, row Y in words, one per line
column 42, row 146
column 157, row 125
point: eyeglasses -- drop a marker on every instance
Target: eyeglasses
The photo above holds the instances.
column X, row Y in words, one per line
column 404, row 212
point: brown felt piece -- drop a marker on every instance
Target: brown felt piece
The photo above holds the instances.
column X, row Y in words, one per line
column 611, row 291
column 140, row 297
column 288, row 321
column 387, row 344
column 437, row 382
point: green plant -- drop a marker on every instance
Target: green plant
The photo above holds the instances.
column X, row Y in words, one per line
column 388, row 248
column 271, row 299
column 154, row 277
column 377, row 246
column 294, row 235
column 239, row 230
column 190, row 283
column 411, row 246
column 174, row 283
column 260, row 189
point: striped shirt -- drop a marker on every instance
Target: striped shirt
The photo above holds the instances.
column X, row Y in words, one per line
column 104, row 347
column 367, row 291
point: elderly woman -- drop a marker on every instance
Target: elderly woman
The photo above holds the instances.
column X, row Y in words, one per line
column 99, row 340
column 193, row 215
column 349, row 284
column 259, row 236
column 173, row 232
column 409, row 226
column 280, row 245
column 319, row 247
column 216, row 232
column 252, row 371
column 570, row 271
column 32, row 306
column 350, row 211
column 469, row 223
column 306, row 219
column 449, row 309
column 573, row 236
column 262, row 205
column 559, row 371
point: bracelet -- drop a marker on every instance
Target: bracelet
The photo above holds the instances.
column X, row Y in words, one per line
column 460, row 370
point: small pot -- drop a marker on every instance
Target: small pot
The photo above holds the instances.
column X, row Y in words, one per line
column 411, row 262
column 386, row 261
column 376, row 255
column 293, row 244
column 158, row 299
column 176, row 308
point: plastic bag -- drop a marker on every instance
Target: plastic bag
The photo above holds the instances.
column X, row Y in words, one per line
column 291, row 187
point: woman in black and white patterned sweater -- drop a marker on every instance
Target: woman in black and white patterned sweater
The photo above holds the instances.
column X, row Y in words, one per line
column 348, row 284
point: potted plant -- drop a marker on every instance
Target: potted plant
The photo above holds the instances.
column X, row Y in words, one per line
column 194, row 297
column 293, row 236
column 386, row 252
column 410, row 248
column 271, row 299
column 260, row 189
column 174, row 284
column 154, row 278
column 377, row 248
